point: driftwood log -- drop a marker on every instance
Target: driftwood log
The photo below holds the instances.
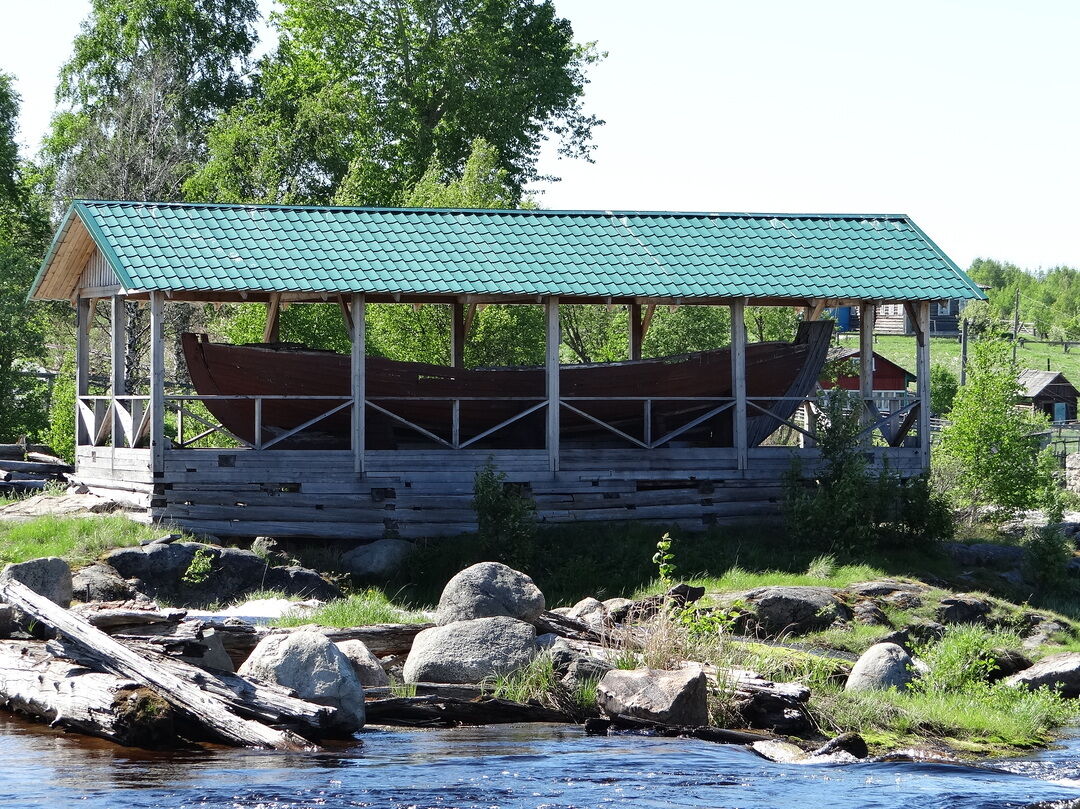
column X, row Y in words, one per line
column 195, row 704
column 66, row 694
column 264, row 702
column 443, row 711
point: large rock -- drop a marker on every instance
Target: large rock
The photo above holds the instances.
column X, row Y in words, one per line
column 49, row 576
column 489, row 590
column 963, row 609
column 795, row 610
column 100, row 582
column 1060, row 672
column 985, row 554
column 369, row 670
column 589, row 611
column 668, row 697
column 377, row 559
column 883, row 665
column 310, row 664
column 470, row 651
column 163, row 572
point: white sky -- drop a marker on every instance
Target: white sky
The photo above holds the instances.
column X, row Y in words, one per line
column 962, row 113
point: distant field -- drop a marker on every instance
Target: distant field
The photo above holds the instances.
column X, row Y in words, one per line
column 946, row 351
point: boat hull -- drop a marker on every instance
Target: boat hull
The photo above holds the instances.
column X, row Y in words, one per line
column 422, row 396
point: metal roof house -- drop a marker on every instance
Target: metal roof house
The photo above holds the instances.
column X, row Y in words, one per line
column 1048, row 392
column 359, row 257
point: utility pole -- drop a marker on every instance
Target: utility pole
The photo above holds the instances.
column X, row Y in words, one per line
column 1016, row 321
column 963, row 350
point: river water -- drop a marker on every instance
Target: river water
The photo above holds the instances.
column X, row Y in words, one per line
column 509, row 767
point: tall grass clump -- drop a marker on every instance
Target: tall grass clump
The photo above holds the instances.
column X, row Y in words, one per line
column 372, row 606
column 79, row 540
column 505, row 517
column 534, row 682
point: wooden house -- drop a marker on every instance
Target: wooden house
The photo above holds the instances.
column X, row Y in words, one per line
column 891, row 318
column 890, row 381
column 1048, row 392
column 140, row 446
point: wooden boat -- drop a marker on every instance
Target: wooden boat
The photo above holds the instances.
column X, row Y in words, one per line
column 413, row 404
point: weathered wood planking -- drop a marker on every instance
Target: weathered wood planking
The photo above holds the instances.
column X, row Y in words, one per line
column 423, row 493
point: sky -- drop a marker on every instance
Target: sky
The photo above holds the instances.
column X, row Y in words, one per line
column 962, row 114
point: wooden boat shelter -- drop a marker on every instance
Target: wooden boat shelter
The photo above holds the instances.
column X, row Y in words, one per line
column 129, row 446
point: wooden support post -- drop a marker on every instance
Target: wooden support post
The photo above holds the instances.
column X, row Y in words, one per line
column 273, row 318
column 157, row 383
column 457, row 335
column 83, row 313
column 359, row 381
column 738, row 382
column 554, row 337
column 346, row 315
column 636, row 334
column 922, row 380
column 118, row 377
column 866, row 364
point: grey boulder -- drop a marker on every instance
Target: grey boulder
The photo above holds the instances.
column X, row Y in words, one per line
column 1059, row 672
column 369, row 670
column 377, row 559
column 882, row 666
column 963, row 609
column 310, row 664
column 49, row 576
column 100, row 582
column 795, row 610
column 489, row 590
column 470, row 651
column 668, row 697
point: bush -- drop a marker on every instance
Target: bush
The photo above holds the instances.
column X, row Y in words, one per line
column 1048, row 553
column 506, row 519
column 943, row 387
column 990, row 450
column 849, row 506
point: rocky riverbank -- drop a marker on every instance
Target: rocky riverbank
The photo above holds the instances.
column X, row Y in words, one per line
column 805, row 663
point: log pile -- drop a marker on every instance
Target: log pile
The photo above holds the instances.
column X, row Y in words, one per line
column 201, row 704
column 29, row 468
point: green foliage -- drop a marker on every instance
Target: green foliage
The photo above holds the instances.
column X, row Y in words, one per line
column 144, row 81
column 79, row 540
column 534, row 682
column 943, row 387
column 362, row 95
column 962, row 658
column 24, row 235
column 1048, row 553
column 372, row 606
column 664, row 558
column 200, row 569
column 506, row 518
column 989, row 449
column 60, row 435
column 850, row 508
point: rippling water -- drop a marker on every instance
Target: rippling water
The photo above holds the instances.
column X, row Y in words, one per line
column 509, row 767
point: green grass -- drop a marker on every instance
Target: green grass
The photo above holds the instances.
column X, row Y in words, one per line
column 982, row 719
column 79, row 540
column 946, row 351
column 360, row 609
column 532, row 683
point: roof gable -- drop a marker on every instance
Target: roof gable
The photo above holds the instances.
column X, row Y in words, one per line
column 599, row 254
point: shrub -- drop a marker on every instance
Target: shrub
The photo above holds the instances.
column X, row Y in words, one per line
column 990, row 448
column 849, row 506
column 1048, row 553
column 506, row 519
column 943, row 387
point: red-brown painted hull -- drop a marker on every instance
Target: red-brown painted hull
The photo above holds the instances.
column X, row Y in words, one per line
column 491, row 395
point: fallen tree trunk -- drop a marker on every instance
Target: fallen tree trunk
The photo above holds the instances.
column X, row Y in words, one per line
column 380, row 639
column 207, row 711
column 439, row 711
column 264, row 702
column 66, row 694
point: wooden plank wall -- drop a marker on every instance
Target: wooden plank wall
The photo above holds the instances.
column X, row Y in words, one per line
column 414, row 494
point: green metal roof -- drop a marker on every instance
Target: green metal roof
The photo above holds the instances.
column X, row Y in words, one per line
column 187, row 247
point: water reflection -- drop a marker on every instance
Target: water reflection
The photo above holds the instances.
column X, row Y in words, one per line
column 511, row 767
